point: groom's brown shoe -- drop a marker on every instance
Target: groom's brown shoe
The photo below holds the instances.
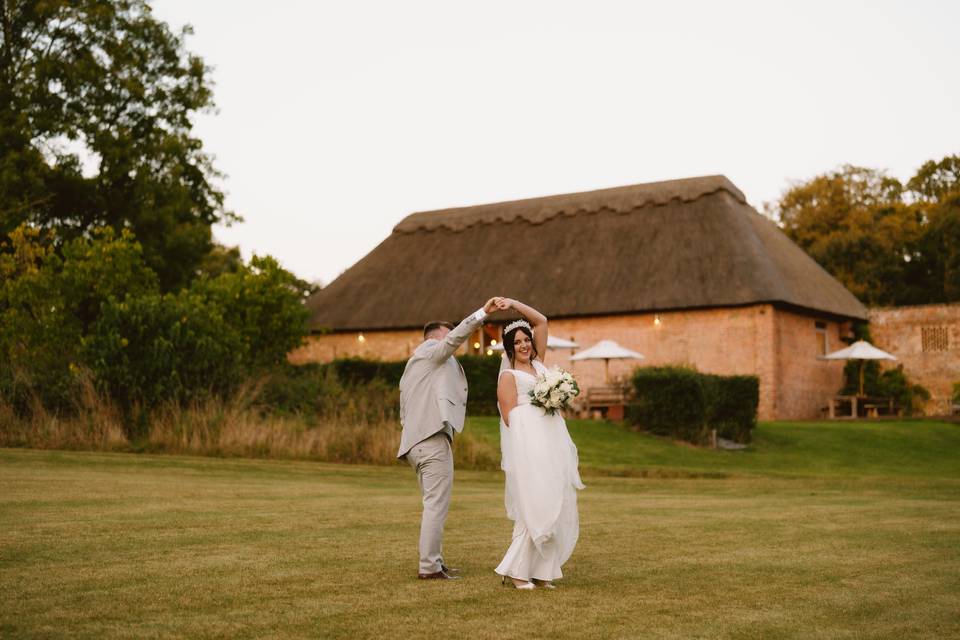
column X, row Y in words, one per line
column 439, row 575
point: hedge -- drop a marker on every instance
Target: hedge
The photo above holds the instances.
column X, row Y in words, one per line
column 732, row 406
column 682, row 403
column 297, row 388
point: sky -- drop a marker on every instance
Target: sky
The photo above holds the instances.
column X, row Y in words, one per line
column 335, row 120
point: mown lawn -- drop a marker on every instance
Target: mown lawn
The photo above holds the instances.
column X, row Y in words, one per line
column 818, row 531
column 859, row 448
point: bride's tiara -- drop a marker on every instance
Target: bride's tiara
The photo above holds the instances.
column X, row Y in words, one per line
column 515, row 324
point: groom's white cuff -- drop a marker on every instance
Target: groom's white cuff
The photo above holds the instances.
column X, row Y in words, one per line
column 479, row 315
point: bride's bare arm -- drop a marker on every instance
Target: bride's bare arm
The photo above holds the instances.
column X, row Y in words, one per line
column 506, row 396
column 535, row 318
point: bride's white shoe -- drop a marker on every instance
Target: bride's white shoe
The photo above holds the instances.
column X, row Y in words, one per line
column 526, row 586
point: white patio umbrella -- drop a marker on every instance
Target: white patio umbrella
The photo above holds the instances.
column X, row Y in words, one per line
column 607, row 350
column 860, row 350
column 560, row 343
column 552, row 343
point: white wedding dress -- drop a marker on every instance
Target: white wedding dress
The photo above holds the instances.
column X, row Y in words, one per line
column 540, row 463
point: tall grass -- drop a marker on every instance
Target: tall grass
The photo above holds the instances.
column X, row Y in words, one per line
column 350, row 424
column 96, row 424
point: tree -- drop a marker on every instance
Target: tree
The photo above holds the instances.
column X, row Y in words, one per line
column 204, row 340
column 889, row 244
column 96, row 105
column 936, row 181
column 152, row 348
column 92, row 304
column 854, row 223
column 51, row 300
column 936, row 191
column 264, row 303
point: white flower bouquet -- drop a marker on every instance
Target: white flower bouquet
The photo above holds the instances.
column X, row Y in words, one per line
column 554, row 390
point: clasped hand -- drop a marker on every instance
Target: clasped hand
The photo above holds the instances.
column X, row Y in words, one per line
column 498, row 303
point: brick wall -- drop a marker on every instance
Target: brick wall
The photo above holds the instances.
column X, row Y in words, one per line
column 926, row 341
column 778, row 346
column 804, row 381
column 376, row 345
column 723, row 341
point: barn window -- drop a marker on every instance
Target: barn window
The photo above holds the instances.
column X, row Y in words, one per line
column 822, row 345
column 935, row 338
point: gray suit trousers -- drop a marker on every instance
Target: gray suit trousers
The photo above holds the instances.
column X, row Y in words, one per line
column 432, row 459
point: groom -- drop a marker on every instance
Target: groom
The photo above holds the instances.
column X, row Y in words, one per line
column 433, row 401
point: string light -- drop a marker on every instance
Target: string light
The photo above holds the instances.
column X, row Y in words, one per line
column 360, row 338
column 489, row 352
column 493, row 343
column 656, row 319
column 476, row 345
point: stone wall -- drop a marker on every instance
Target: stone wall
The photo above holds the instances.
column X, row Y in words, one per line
column 778, row 346
column 926, row 341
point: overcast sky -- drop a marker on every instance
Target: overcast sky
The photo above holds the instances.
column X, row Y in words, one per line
column 337, row 119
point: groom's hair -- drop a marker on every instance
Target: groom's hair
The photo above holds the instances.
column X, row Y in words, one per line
column 430, row 327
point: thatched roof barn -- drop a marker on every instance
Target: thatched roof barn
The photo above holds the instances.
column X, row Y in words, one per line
column 683, row 271
column 679, row 244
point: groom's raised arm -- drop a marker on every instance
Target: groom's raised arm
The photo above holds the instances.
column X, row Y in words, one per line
column 445, row 348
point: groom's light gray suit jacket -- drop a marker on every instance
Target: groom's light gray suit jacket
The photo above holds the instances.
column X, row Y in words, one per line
column 433, row 389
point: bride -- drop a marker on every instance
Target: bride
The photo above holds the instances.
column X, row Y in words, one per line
column 538, row 458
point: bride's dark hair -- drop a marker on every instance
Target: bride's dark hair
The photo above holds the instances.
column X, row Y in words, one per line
column 508, row 338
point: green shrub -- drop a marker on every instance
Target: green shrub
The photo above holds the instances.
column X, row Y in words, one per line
column 92, row 303
column 893, row 383
column 482, row 377
column 316, row 393
column 300, row 388
column 681, row 403
column 670, row 401
column 150, row 349
column 51, row 294
column 297, row 389
column 956, row 392
column 262, row 302
column 733, row 402
column 358, row 371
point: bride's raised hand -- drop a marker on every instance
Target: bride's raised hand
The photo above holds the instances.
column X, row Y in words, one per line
column 493, row 304
column 505, row 303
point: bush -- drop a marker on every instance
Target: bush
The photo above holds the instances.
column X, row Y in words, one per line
column 482, row 378
column 262, row 302
column 316, row 393
column 51, row 294
column 893, row 383
column 670, row 401
column 152, row 348
column 296, row 389
column 358, row 371
column 303, row 382
column 299, row 388
column 733, row 402
column 92, row 303
column 681, row 403
column 480, row 371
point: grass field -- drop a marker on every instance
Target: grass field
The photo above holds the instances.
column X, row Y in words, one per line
column 818, row 531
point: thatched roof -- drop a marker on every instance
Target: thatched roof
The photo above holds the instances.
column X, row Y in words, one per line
column 679, row 244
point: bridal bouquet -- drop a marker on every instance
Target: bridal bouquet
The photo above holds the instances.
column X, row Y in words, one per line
column 554, row 390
